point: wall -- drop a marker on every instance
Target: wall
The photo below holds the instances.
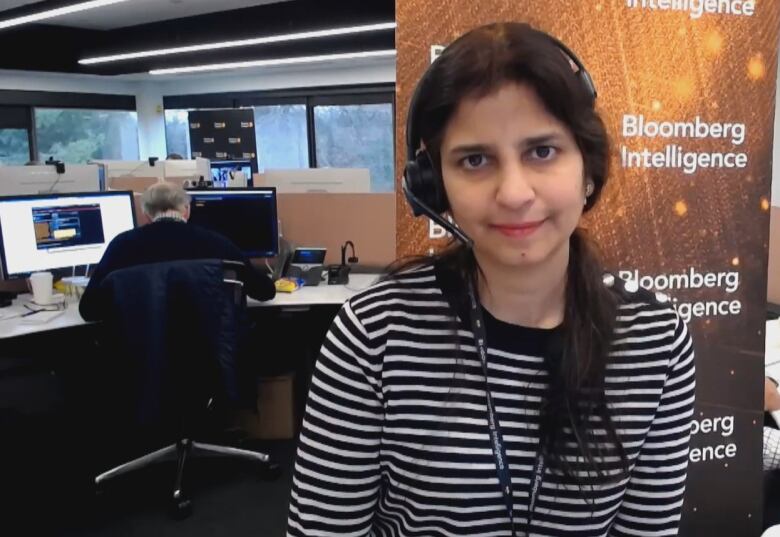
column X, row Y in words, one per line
column 151, row 121
column 776, row 152
column 149, row 91
column 358, row 72
column 29, row 81
column 773, row 268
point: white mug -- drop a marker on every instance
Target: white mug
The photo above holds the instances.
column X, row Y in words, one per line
column 41, row 284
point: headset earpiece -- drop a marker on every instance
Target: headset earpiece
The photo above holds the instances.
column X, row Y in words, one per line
column 422, row 180
column 422, row 185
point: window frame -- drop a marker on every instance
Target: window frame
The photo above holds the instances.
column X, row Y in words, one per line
column 291, row 101
column 88, row 110
column 311, row 97
column 28, row 101
column 188, row 154
column 21, row 118
column 343, row 100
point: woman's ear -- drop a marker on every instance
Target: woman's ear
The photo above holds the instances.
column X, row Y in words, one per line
column 590, row 187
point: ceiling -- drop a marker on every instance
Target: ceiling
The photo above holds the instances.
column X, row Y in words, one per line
column 57, row 44
column 6, row 5
column 135, row 12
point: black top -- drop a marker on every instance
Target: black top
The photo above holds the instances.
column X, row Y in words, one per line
column 168, row 240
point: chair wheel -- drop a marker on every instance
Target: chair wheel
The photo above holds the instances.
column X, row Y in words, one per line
column 181, row 508
column 270, row 471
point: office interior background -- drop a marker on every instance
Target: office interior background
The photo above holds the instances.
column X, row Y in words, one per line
column 57, row 103
column 332, row 113
column 336, row 113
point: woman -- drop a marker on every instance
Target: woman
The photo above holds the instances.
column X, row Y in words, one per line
column 577, row 422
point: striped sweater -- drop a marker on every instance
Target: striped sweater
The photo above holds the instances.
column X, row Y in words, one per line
column 395, row 439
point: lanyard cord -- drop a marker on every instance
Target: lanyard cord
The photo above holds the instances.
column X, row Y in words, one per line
column 496, row 438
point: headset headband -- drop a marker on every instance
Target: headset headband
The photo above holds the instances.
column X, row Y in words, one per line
column 413, row 139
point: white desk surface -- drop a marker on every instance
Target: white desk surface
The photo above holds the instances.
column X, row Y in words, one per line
column 321, row 294
column 12, row 325
column 772, row 351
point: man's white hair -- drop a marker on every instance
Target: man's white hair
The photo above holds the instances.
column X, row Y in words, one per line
column 162, row 197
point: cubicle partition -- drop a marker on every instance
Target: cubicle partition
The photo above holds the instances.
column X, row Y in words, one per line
column 328, row 220
column 317, row 180
column 773, row 279
column 46, row 179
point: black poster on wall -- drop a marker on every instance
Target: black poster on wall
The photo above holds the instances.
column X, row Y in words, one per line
column 227, row 134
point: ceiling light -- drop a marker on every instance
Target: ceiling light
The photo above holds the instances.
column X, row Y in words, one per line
column 298, row 36
column 51, row 13
column 275, row 62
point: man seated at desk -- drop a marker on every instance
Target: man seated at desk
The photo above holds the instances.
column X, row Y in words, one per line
column 167, row 238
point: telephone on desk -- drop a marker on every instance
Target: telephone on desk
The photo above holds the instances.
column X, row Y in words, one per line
column 307, row 264
column 339, row 274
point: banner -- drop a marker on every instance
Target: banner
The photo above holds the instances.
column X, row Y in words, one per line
column 687, row 90
column 223, row 134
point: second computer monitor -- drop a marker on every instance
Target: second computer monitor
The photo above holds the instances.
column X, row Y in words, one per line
column 221, row 171
column 245, row 216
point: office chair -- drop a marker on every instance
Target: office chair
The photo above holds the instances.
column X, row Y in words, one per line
column 190, row 312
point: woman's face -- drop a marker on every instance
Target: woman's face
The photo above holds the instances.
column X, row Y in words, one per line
column 513, row 175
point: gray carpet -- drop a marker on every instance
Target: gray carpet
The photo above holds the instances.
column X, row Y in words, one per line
column 229, row 497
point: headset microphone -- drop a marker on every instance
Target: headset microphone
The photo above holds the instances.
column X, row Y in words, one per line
column 419, row 208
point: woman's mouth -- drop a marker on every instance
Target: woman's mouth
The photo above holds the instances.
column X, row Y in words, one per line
column 519, row 230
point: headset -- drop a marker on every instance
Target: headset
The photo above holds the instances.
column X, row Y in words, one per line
column 421, row 184
column 424, row 191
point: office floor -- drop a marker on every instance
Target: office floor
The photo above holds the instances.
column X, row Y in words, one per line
column 229, row 498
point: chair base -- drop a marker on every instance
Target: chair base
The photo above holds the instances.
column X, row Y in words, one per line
column 181, row 505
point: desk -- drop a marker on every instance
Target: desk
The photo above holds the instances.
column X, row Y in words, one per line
column 322, row 294
column 772, row 349
column 12, row 326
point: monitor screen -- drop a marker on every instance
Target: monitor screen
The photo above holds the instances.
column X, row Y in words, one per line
column 247, row 216
column 49, row 232
column 221, row 170
column 309, row 256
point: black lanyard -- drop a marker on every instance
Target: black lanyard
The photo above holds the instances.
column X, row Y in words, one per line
column 496, row 439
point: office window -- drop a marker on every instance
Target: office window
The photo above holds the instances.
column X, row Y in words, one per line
column 14, row 147
column 77, row 136
column 177, row 132
column 281, row 133
column 357, row 136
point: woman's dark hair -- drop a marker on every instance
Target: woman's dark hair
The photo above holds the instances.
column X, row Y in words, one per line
column 476, row 65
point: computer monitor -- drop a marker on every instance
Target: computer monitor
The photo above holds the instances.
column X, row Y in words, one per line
column 221, row 170
column 247, row 216
column 58, row 231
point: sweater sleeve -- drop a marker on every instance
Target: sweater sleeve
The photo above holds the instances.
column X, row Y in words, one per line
column 337, row 476
column 258, row 285
column 113, row 258
column 653, row 501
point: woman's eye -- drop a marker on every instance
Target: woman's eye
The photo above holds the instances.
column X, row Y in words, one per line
column 475, row 161
column 543, row 152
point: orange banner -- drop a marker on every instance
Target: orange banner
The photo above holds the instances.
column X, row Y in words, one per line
column 687, row 90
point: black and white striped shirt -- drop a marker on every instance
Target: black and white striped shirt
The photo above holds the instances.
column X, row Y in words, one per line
column 395, row 439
